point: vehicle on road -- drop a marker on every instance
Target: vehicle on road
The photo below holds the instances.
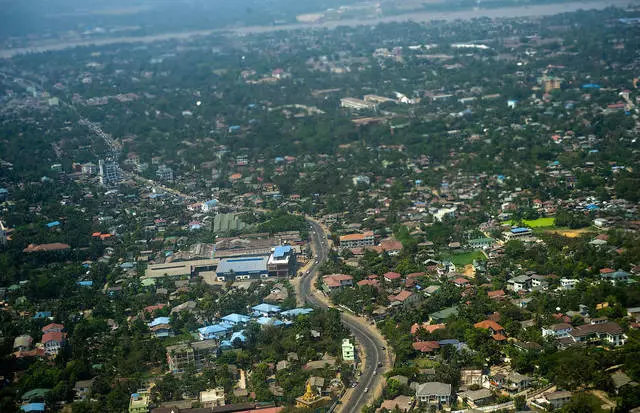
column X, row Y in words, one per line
column 380, row 364
column 366, row 389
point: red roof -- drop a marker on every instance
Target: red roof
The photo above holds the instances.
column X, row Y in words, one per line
column 426, row 346
column 429, row 328
column 55, row 246
column 607, row 271
column 401, row 296
column 496, row 294
column 489, row 325
column 392, row 275
column 461, row 281
column 52, row 327
column 57, row 336
column 416, row 275
column 373, row 283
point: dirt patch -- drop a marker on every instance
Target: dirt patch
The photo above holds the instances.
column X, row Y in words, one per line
column 570, row 233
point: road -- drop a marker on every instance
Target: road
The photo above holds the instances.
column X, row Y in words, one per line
column 369, row 339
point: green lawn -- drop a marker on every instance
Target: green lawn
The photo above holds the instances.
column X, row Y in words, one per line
column 535, row 223
column 465, row 258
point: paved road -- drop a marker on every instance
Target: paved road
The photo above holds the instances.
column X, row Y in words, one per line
column 370, row 341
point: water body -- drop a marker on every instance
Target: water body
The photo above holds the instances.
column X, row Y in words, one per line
column 419, row 17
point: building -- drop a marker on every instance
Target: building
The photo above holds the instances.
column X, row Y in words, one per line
column 165, row 173
column 212, row 397
column 481, row 243
column 517, row 233
column 608, row 332
column 199, row 354
column 558, row 399
column 109, row 172
column 139, row 402
column 433, row 392
column 22, row 343
column 476, row 398
column 496, row 330
column 559, row 330
column 348, row 350
column 245, row 268
column 337, row 281
column 519, row 283
column 357, row 240
column 53, row 338
column 3, row 235
column 568, row 283
column 181, row 268
column 89, row 168
column 357, row 104
column 281, row 262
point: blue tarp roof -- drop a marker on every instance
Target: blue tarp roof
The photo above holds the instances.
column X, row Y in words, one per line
column 296, row 312
column 592, row 207
column 281, row 250
column 159, row 320
column 53, row 224
column 264, row 321
column 266, row 308
column 519, row 230
column 42, row 314
column 88, row 283
column 236, row 318
column 32, row 407
column 216, row 328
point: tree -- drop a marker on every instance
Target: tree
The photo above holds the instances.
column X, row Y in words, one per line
column 520, row 402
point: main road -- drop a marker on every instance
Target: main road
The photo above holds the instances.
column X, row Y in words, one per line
column 371, row 342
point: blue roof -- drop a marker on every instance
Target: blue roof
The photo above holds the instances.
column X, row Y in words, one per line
column 32, row 407
column 4, row 191
column 238, row 335
column 296, row 312
column 236, row 318
column 53, row 224
column 281, row 251
column 266, row 308
column 88, row 283
column 214, row 329
column 264, row 321
column 519, row 230
column 159, row 320
column 592, row 207
column 42, row 314
column 212, row 202
column 591, row 86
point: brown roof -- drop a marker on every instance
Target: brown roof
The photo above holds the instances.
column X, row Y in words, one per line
column 430, row 328
column 402, row 295
column 488, row 324
column 56, row 246
column 604, row 328
column 356, row 237
column 426, row 346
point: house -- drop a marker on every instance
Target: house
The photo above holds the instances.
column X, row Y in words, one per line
column 215, row 331
column 266, row 310
column 558, row 399
column 348, row 350
column 539, row 282
column 620, row 380
column 139, row 402
column 53, row 339
column 236, row 319
column 440, row 316
column 391, row 276
column 402, row 403
column 476, row 398
column 461, row 282
column 429, row 328
column 480, row 243
column 200, row 354
column 496, row 295
column 568, row 283
column 282, row 261
column 521, row 282
column 559, row 330
column 82, row 389
column 517, row 233
column 516, row 382
column 472, row 377
column 33, row 407
column 426, row 346
column 391, row 246
column 337, row 281
column 365, row 239
column 244, row 268
column 403, row 298
column 616, row 276
column 212, row 397
column 608, row 332
column 496, row 330
column 23, row 343
column 434, row 392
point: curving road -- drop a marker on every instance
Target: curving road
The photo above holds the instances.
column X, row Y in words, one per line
column 369, row 339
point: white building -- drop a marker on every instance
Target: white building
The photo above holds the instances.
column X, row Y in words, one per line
column 357, row 104
column 366, row 239
column 568, row 283
column 348, row 350
column 109, row 172
column 212, row 397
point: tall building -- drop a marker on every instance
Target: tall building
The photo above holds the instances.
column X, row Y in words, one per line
column 3, row 235
column 165, row 173
column 109, row 172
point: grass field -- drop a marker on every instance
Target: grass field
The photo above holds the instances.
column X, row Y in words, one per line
column 465, row 258
column 535, row 223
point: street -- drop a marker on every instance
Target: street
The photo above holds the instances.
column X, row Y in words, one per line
column 366, row 335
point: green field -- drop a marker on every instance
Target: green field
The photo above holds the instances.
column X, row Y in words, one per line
column 465, row 258
column 535, row 223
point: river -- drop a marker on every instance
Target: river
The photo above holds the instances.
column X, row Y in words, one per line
column 502, row 12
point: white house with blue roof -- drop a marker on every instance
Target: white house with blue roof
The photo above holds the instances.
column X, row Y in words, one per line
column 265, row 309
column 236, row 319
column 293, row 313
column 215, row 331
column 282, row 261
column 238, row 335
column 518, row 232
column 269, row 321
